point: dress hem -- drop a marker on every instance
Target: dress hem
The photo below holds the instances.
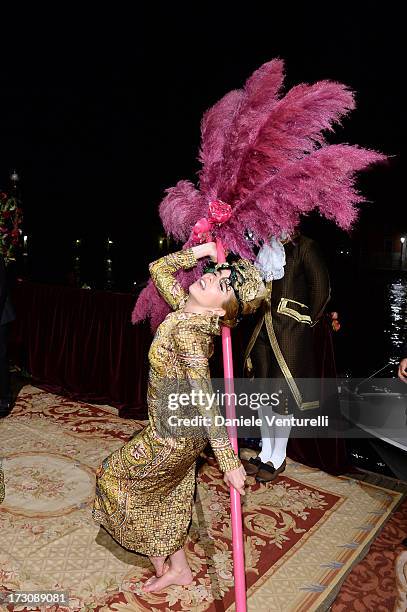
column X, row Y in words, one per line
column 141, row 551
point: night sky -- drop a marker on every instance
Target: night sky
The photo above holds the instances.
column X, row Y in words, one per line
column 99, row 113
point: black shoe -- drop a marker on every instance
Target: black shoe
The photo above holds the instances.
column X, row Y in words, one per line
column 268, row 473
column 251, row 465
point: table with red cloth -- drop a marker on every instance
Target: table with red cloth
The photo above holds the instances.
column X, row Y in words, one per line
column 81, row 343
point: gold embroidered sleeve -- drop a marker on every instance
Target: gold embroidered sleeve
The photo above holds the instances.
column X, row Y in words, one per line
column 193, row 350
column 162, row 273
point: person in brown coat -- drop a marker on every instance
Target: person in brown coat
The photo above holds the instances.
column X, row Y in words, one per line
column 280, row 352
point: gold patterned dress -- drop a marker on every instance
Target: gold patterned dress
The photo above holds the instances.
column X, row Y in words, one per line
column 145, row 489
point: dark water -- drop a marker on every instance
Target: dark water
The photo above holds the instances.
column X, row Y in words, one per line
column 374, row 317
column 372, row 308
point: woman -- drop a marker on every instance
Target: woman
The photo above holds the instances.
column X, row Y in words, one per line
column 145, row 489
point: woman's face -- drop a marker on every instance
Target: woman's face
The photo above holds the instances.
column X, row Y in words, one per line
column 212, row 289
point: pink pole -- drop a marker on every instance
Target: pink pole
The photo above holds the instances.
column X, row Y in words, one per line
column 235, row 507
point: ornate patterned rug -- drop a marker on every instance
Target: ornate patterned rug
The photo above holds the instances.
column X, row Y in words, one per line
column 379, row 580
column 302, row 535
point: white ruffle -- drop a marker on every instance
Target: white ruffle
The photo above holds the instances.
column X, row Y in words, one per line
column 270, row 260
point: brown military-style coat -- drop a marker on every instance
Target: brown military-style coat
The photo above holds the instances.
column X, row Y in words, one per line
column 281, row 342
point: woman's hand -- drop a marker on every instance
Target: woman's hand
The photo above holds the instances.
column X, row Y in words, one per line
column 236, row 478
column 207, row 249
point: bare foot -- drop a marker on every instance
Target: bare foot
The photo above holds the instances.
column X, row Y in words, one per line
column 172, row 576
column 160, row 565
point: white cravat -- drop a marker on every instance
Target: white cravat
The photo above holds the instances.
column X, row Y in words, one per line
column 270, row 260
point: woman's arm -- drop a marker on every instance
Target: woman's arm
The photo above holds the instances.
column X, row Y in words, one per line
column 193, row 349
column 162, row 271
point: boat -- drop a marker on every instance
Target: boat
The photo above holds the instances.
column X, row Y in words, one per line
column 376, row 408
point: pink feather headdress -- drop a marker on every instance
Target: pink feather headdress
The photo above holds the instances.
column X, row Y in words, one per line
column 265, row 155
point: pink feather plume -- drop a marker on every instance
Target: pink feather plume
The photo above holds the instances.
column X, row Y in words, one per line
column 293, row 127
column 260, row 96
column 215, row 126
column 324, row 180
column 181, row 208
column 266, row 155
